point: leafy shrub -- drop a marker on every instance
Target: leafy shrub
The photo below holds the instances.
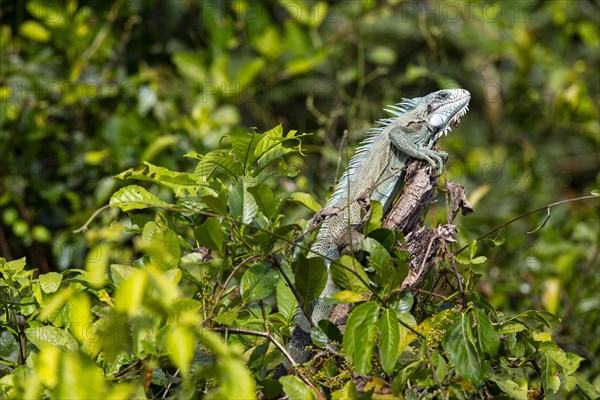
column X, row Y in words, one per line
column 217, row 259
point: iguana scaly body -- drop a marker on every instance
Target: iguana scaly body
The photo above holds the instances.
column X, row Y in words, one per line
column 375, row 172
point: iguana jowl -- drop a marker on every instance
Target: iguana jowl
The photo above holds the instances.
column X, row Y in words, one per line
column 376, row 172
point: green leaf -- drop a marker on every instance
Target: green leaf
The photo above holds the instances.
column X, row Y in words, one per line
column 478, row 260
column 307, row 200
column 161, row 244
column 49, row 13
column 258, row 359
column 319, row 337
column 134, row 197
column 13, row 266
column 248, row 72
column 9, row 347
column 182, row 184
column 35, row 31
column 130, row 293
column 472, row 249
column 541, row 336
column 161, row 143
column 389, row 329
column 546, row 318
column 348, row 392
column 118, row 273
column 346, row 297
column 382, row 55
column 568, row 382
column 486, row 333
column 96, row 264
column 191, row 66
column 296, row 389
column 268, row 204
column 550, row 379
column 439, row 365
column 375, row 218
column 587, row 388
column 81, row 317
column 227, row 317
column 164, row 285
column 568, row 361
column 215, row 204
column 331, row 330
column 243, row 145
column 211, row 235
column 73, row 364
column 304, row 64
column 497, row 241
column 379, row 258
column 270, row 147
column 359, row 336
column 346, row 272
column 462, row 259
column 318, row 13
column 221, row 161
column 45, row 335
column 389, row 274
column 511, row 388
column 258, row 282
column 286, row 301
column 180, row 345
column 50, row 282
column 460, row 349
column 406, row 302
column 310, row 277
column 55, row 305
column 511, row 327
column 241, row 203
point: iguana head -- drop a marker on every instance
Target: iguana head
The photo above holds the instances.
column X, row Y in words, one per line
column 437, row 111
column 444, row 108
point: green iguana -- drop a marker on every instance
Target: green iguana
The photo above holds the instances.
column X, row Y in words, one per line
column 375, row 172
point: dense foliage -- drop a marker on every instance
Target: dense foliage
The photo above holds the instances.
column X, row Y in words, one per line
column 182, row 285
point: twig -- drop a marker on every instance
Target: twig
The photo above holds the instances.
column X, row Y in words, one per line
column 264, row 315
column 435, row 378
column 244, row 262
column 267, row 335
column 447, row 196
column 292, row 287
column 456, row 275
column 430, row 293
column 164, row 396
column 101, row 35
column 546, row 207
column 84, row 227
column 426, row 255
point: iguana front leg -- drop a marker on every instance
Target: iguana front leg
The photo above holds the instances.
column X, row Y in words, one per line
column 321, row 215
column 401, row 139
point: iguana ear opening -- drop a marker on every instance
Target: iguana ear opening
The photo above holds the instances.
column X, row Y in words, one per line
column 414, row 125
column 437, row 120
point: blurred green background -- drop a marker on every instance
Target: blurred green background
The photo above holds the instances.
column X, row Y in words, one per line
column 91, row 88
